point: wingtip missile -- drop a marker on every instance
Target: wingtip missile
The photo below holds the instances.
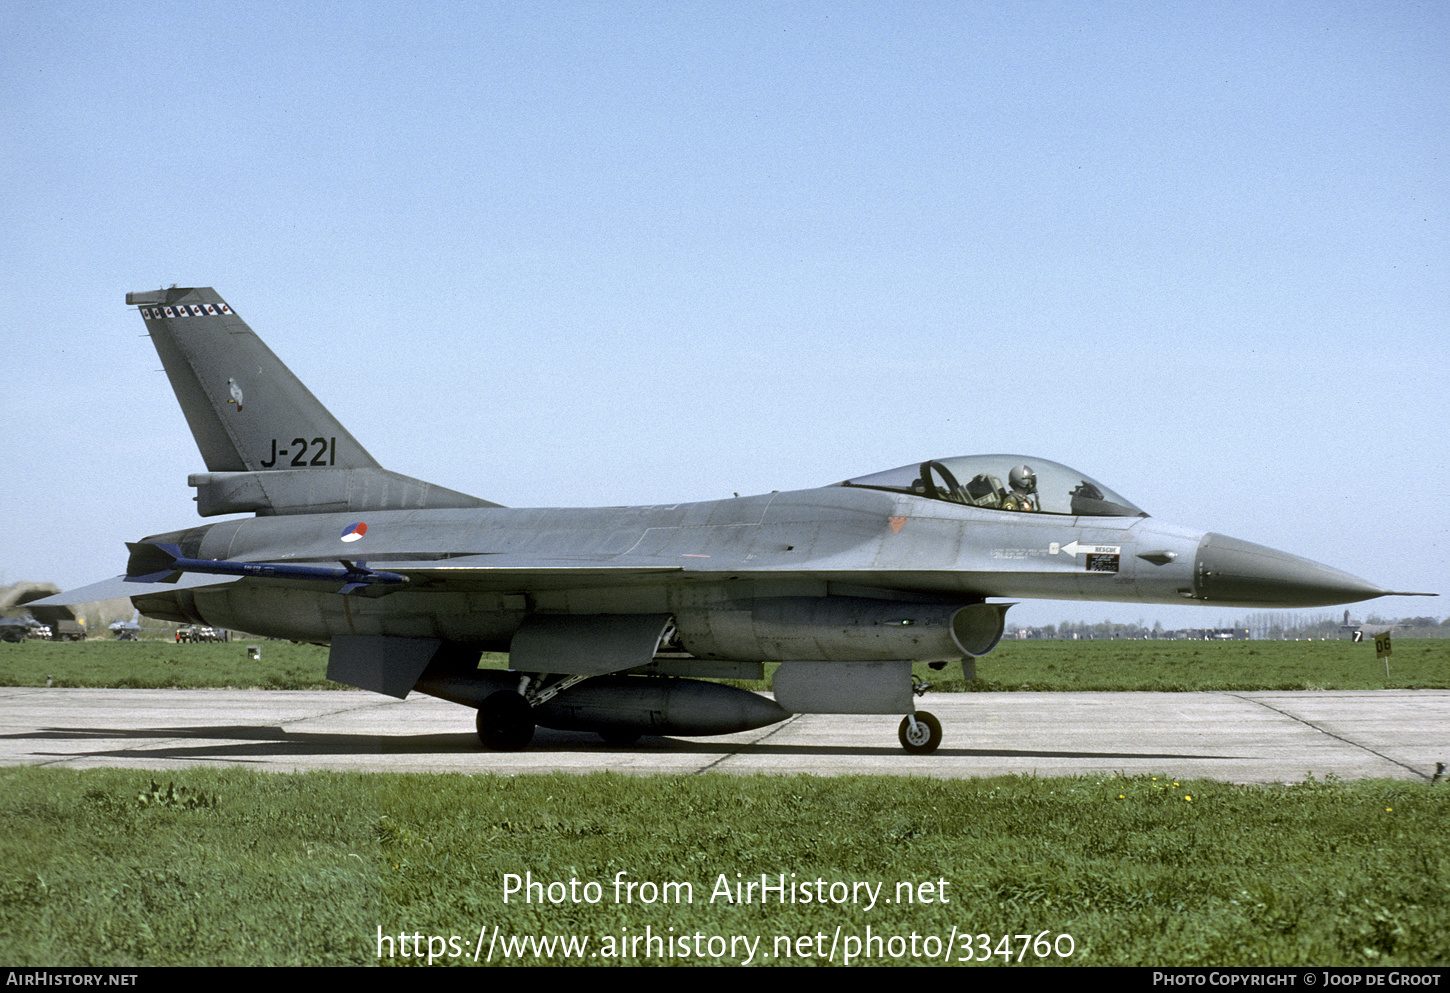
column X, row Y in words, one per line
column 158, row 562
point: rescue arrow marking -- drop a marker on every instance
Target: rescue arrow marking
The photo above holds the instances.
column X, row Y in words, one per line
column 1073, row 548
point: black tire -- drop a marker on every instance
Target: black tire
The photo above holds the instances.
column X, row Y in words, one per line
column 920, row 744
column 506, row 722
column 620, row 736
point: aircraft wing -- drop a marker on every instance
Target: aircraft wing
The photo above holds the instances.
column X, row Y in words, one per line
column 504, row 571
column 473, row 574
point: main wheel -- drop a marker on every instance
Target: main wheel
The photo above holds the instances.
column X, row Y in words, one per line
column 506, row 722
column 922, row 739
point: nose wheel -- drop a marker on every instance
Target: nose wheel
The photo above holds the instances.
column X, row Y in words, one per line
column 920, row 733
column 506, row 722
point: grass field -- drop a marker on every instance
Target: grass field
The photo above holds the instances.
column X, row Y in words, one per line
column 228, row 866
column 213, row 867
column 1211, row 665
column 1015, row 665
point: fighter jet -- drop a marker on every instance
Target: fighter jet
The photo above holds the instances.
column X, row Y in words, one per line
column 614, row 618
column 127, row 630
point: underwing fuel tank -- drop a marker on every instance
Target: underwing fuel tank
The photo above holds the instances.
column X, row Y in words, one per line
column 642, row 704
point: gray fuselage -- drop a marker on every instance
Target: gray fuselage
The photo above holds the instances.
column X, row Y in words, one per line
column 677, row 559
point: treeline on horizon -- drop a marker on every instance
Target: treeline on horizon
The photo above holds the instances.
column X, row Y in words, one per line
column 1261, row 626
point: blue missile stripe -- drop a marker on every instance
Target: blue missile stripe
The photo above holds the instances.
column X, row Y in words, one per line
column 153, row 563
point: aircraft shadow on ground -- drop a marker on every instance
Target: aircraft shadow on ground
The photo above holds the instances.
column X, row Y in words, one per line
column 259, row 743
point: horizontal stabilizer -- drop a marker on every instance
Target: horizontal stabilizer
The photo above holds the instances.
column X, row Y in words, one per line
column 122, row 586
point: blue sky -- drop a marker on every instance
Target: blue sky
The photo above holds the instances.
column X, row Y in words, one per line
column 587, row 253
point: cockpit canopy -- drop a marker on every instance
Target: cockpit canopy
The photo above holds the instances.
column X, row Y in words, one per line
column 1018, row 483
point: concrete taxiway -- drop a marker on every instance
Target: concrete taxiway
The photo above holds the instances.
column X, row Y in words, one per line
column 1238, row 737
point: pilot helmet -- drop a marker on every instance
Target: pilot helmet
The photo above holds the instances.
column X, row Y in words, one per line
column 1023, row 479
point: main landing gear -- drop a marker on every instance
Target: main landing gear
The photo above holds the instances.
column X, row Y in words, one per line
column 506, row 719
column 506, row 722
column 920, row 733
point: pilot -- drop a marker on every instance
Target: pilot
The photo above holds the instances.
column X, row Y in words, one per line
column 1023, row 495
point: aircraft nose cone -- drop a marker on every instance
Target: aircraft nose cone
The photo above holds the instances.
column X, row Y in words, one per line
column 1240, row 573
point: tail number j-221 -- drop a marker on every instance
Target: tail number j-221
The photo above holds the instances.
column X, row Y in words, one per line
column 324, row 452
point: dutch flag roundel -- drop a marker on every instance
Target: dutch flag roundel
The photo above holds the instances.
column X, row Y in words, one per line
column 355, row 531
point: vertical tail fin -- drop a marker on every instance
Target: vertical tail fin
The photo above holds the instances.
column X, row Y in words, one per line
column 247, row 411
column 270, row 446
